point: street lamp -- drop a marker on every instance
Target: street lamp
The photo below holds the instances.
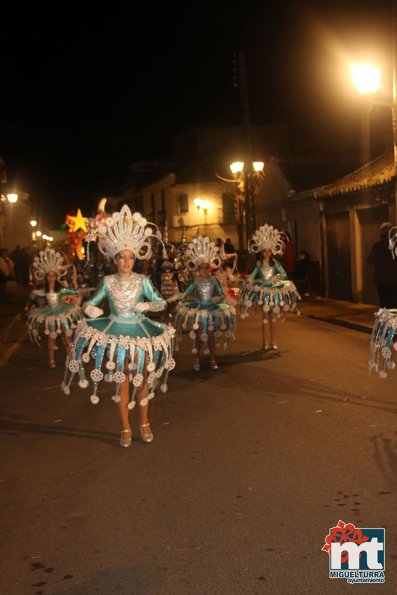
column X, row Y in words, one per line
column 247, row 175
column 202, row 204
column 367, row 80
column 33, row 222
column 12, row 197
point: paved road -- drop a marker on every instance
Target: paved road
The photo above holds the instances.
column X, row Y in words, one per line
column 250, row 467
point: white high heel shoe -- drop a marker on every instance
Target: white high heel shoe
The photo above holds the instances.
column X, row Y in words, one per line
column 146, row 436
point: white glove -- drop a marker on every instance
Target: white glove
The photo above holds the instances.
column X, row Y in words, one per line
column 174, row 298
column 92, row 311
column 142, row 306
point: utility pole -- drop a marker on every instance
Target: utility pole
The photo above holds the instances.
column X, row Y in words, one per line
column 240, row 80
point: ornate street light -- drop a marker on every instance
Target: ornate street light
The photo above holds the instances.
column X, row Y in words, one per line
column 247, row 175
column 367, row 79
column 12, row 197
column 202, row 204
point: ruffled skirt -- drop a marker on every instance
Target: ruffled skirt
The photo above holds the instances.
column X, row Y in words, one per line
column 140, row 347
column 198, row 321
column 383, row 342
column 280, row 298
column 52, row 321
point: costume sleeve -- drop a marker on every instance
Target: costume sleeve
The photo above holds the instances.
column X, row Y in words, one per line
column 255, row 272
column 279, row 270
column 68, row 291
column 156, row 302
column 99, row 295
column 218, row 291
column 189, row 289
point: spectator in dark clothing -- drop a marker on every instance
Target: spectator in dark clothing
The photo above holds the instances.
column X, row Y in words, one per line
column 300, row 275
column 385, row 268
column 228, row 247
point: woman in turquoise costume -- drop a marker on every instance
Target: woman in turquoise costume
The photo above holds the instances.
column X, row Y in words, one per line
column 268, row 287
column 127, row 344
column 47, row 310
column 384, row 334
column 206, row 316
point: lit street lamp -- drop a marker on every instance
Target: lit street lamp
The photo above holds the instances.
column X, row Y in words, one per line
column 33, row 222
column 202, row 204
column 367, row 80
column 247, row 175
column 12, row 197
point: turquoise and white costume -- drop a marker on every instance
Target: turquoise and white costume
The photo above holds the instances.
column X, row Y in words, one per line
column 208, row 311
column 268, row 288
column 55, row 317
column 383, row 342
column 384, row 334
column 126, row 341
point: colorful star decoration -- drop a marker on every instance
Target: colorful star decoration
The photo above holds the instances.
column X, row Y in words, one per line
column 77, row 222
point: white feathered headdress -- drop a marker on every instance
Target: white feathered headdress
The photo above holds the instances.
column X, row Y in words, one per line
column 201, row 249
column 126, row 231
column 267, row 238
column 48, row 260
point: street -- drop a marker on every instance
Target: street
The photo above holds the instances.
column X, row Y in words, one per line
column 250, row 467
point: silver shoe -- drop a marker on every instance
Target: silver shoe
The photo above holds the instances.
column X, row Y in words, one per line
column 146, row 437
column 125, row 441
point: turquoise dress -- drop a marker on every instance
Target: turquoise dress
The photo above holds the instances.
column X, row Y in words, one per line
column 383, row 341
column 203, row 314
column 126, row 341
column 269, row 288
column 55, row 317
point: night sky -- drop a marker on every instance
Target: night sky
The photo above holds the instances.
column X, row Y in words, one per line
column 86, row 93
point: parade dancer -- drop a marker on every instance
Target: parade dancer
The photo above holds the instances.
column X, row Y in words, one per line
column 47, row 310
column 206, row 316
column 268, row 287
column 127, row 344
column 384, row 334
column 226, row 273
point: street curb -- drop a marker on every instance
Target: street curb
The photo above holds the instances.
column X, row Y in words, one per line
column 338, row 322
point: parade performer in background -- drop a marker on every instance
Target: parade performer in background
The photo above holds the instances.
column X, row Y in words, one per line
column 130, row 346
column 227, row 274
column 53, row 308
column 384, row 334
column 268, row 287
column 206, row 316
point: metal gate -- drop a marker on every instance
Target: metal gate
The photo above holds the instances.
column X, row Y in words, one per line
column 338, row 256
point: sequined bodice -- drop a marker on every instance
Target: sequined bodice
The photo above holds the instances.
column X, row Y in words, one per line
column 267, row 271
column 205, row 288
column 123, row 293
column 53, row 299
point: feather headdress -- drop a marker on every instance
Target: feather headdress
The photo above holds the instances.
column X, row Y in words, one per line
column 267, row 238
column 126, row 231
column 48, row 260
column 201, row 249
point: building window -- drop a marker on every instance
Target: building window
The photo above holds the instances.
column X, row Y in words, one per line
column 183, row 204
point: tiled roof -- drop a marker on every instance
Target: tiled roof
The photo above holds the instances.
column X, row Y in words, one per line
column 375, row 173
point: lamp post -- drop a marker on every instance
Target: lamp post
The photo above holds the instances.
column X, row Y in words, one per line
column 247, row 175
column 367, row 80
column 202, row 204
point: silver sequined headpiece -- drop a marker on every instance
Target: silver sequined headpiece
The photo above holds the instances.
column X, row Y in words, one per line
column 48, row 260
column 201, row 249
column 126, row 231
column 267, row 238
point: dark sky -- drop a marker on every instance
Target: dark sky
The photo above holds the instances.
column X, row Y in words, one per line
column 86, row 91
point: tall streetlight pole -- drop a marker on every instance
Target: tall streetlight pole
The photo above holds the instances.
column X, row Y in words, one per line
column 367, row 80
column 248, row 174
